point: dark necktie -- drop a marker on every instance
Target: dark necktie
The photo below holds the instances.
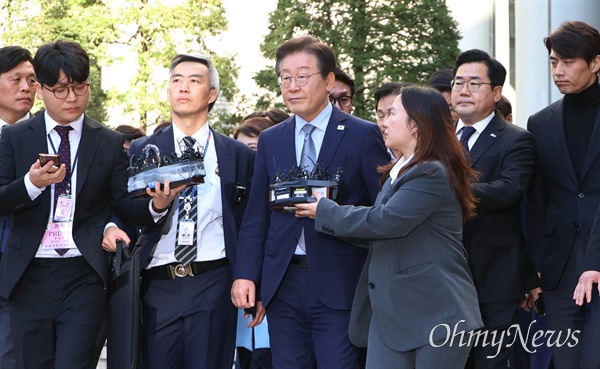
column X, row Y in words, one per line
column 64, row 151
column 188, row 200
column 308, row 158
column 467, row 132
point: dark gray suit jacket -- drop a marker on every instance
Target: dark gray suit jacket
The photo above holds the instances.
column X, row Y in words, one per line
column 416, row 275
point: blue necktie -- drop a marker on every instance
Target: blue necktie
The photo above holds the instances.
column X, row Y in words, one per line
column 308, row 159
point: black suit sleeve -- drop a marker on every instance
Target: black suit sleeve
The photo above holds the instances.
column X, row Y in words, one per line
column 592, row 256
column 515, row 174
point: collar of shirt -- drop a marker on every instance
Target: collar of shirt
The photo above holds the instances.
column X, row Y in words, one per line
column 479, row 126
column 25, row 117
column 320, row 122
column 77, row 126
column 399, row 165
column 201, row 136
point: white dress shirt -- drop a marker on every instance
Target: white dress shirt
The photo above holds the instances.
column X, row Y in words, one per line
column 479, row 127
column 209, row 227
column 53, row 139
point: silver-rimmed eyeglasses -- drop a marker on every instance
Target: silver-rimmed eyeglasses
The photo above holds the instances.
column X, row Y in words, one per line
column 300, row 78
column 473, row 85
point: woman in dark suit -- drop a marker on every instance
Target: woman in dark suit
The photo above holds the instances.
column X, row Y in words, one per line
column 415, row 304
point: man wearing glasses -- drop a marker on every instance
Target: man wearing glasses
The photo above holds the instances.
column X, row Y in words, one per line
column 342, row 93
column 504, row 156
column 54, row 271
column 306, row 279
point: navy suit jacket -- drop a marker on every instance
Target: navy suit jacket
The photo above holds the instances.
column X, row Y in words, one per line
column 562, row 207
column 268, row 238
column 504, row 156
column 236, row 164
column 101, row 185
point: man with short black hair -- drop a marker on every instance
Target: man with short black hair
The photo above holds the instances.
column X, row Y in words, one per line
column 17, row 95
column 504, row 156
column 54, row 271
column 342, row 93
column 566, row 196
column 384, row 98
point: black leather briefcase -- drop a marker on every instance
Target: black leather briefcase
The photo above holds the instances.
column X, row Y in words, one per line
column 124, row 310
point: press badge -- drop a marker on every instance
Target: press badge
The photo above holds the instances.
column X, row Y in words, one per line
column 186, row 232
column 64, row 204
column 59, row 236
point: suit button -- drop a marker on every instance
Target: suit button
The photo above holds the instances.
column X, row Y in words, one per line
column 581, row 195
column 371, row 285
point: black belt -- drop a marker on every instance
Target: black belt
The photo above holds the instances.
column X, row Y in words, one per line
column 58, row 262
column 178, row 270
column 300, row 260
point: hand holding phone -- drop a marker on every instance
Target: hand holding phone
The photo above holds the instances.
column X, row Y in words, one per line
column 55, row 159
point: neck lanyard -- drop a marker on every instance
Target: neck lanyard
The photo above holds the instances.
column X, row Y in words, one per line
column 206, row 145
column 74, row 161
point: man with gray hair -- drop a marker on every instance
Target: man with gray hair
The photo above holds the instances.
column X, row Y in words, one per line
column 188, row 319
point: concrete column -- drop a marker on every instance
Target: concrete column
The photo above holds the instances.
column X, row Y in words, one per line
column 475, row 23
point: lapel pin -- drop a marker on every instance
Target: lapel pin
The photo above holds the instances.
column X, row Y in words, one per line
column 217, row 171
column 341, row 127
column 493, row 135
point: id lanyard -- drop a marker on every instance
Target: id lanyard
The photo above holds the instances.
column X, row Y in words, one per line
column 206, row 146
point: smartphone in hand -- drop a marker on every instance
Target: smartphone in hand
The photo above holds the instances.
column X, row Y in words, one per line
column 55, row 159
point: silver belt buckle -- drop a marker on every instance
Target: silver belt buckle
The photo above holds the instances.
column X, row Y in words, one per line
column 181, row 270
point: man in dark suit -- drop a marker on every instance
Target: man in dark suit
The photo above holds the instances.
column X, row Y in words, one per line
column 54, row 271
column 307, row 279
column 17, row 95
column 189, row 321
column 504, row 156
column 566, row 195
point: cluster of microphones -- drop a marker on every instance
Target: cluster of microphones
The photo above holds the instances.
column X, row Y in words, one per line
column 152, row 167
column 298, row 185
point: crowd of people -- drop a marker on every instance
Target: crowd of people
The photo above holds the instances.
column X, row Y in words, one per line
column 450, row 225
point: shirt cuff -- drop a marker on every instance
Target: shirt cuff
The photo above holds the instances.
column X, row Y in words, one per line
column 32, row 190
column 156, row 216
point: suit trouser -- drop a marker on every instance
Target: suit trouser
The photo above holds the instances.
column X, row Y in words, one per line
column 380, row 356
column 189, row 322
column 575, row 338
column 55, row 314
column 7, row 354
column 497, row 318
column 302, row 329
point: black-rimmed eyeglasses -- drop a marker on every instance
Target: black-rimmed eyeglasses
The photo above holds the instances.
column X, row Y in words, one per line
column 344, row 101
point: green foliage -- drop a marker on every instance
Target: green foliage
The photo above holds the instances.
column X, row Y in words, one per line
column 374, row 41
column 33, row 23
column 150, row 32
